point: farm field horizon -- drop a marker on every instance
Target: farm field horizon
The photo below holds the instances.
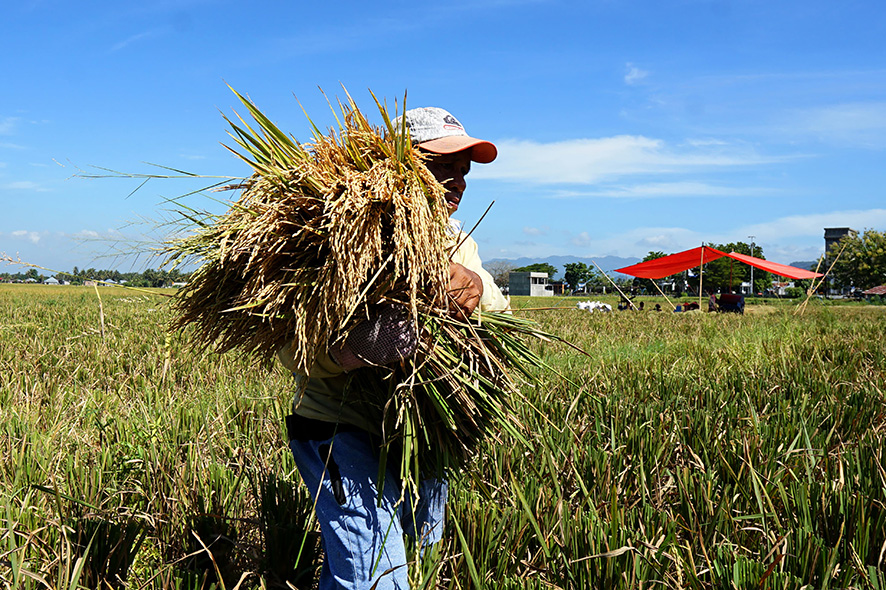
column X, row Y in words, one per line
column 682, row 450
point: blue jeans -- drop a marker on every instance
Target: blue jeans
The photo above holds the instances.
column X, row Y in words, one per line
column 362, row 533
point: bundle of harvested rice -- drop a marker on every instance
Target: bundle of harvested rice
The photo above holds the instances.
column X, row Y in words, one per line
column 320, row 234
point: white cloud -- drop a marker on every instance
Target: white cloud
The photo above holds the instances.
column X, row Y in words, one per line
column 813, row 224
column 706, row 142
column 11, row 146
column 535, row 231
column 135, row 38
column 666, row 239
column 785, row 240
column 589, row 161
column 666, row 189
column 7, row 124
column 30, row 236
column 582, row 240
column 786, row 254
column 24, row 185
column 861, row 124
column 634, row 74
column 639, row 241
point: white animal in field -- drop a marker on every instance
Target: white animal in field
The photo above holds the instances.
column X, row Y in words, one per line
column 593, row 306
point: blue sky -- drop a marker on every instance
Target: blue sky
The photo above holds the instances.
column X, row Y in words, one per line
column 622, row 126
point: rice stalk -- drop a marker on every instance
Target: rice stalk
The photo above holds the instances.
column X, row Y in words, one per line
column 320, row 234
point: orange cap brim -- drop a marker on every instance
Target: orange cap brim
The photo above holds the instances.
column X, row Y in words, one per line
column 482, row 152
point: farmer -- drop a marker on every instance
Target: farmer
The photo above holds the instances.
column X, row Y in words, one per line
column 336, row 445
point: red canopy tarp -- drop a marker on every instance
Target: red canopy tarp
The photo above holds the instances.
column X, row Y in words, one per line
column 782, row 270
column 670, row 265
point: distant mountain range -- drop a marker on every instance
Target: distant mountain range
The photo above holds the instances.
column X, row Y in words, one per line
column 806, row 264
column 607, row 263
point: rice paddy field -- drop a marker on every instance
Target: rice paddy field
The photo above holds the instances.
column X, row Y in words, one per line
column 686, row 450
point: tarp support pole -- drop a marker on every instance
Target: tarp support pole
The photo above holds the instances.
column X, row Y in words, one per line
column 815, row 286
column 700, row 276
column 662, row 294
column 623, row 296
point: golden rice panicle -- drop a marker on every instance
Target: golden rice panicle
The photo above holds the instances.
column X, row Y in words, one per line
column 320, row 231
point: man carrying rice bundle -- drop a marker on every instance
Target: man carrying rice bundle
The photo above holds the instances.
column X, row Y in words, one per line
column 336, row 444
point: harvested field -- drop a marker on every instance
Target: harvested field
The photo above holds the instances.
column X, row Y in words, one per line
column 688, row 450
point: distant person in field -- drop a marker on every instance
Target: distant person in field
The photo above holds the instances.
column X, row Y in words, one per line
column 336, row 447
column 712, row 301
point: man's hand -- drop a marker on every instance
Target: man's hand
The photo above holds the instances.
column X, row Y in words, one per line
column 465, row 289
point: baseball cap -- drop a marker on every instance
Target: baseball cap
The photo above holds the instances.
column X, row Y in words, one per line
column 436, row 130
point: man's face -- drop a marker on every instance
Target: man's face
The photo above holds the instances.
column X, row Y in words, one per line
column 450, row 171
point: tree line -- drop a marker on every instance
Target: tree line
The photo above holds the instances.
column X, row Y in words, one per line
column 77, row 276
column 719, row 275
column 858, row 261
column 576, row 275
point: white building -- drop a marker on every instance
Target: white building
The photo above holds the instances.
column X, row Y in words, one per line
column 534, row 284
column 780, row 288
